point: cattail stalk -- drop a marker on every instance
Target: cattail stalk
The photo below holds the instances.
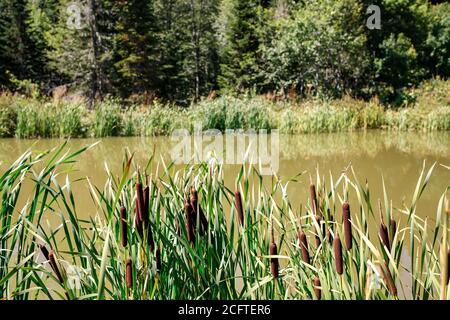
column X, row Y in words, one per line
column 338, row 255
column 347, row 226
column 129, row 273
column 303, row 242
column 238, row 205
column 388, row 279
column 124, row 227
column 317, row 289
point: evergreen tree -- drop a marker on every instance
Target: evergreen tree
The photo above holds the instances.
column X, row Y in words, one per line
column 21, row 54
column 240, row 55
column 79, row 45
column 135, row 46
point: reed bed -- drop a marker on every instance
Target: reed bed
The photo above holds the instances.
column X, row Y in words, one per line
column 165, row 233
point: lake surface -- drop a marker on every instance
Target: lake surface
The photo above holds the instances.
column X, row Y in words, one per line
column 398, row 157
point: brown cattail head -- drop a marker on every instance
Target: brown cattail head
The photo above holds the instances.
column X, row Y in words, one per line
column 384, row 236
column 54, row 265
column 189, row 221
column 347, row 226
column 448, row 266
column 238, row 205
column 129, row 273
column 338, row 255
column 317, row 289
column 388, row 279
column 197, row 210
column 158, row 259
column 124, row 227
column 313, row 196
column 273, row 261
column 44, row 251
column 303, row 242
column 145, row 205
column 393, row 229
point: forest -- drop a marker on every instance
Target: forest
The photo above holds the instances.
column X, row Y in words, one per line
column 185, row 52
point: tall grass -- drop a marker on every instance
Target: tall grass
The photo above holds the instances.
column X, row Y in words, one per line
column 28, row 118
column 188, row 236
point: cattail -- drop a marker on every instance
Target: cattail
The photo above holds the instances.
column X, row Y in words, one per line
column 44, row 251
column 347, row 226
column 123, row 224
column 317, row 289
column 129, row 273
column 140, row 201
column 303, row 242
column 273, row 261
column 145, row 218
column 338, row 255
column 448, row 266
column 145, row 205
column 318, row 241
column 54, row 265
column 238, row 205
column 313, row 195
column 384, row 236
column 189, row 223
column 393, row 225
column 158, row 259
column 195, row 206
column 388, row 279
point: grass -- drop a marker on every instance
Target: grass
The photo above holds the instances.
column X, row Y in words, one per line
column 29, row 118
column 226, row 258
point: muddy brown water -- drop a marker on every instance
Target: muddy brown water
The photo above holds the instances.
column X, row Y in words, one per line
column 398, row 157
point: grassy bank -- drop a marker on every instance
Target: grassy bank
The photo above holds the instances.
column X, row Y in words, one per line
column 429, row 110
column 185, row 235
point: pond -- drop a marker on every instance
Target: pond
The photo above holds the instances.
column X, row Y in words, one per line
column 397, row 157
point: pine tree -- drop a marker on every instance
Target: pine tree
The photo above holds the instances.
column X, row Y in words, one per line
column 135, row 46
column 79, row 44
column 21, row 54
column 240, row 56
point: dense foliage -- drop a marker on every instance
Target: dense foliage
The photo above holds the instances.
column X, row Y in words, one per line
column 181, row 51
